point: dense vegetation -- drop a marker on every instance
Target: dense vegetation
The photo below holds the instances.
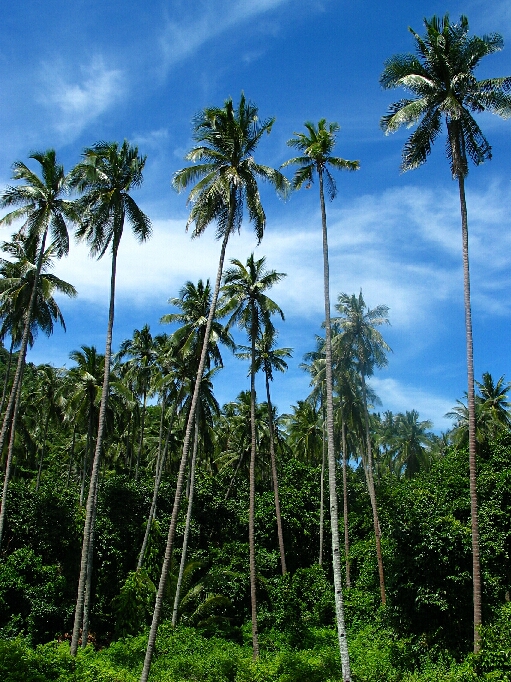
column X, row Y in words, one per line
column 246, row 585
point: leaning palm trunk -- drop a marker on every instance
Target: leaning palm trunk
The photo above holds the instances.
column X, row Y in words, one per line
column 472, row 444
column 141, row 441
column 345, row 499
column 251, row 507
column 184, row 457
column 9, row 460
column 7, row 376
column 157, row 480
column 43, row 447
column 88, row 585
column 334, row 517
column 88, row 530
column 23, row 350
column 275, row 481
column 368, row 468
column 187, row 524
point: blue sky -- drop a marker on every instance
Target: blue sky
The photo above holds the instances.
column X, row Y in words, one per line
column 75, row 73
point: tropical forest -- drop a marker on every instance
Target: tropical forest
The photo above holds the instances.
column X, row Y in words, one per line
column 149, row 532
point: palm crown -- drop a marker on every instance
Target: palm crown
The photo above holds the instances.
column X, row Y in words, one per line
column 316, row 148
column 226, row 169
column 441, row 79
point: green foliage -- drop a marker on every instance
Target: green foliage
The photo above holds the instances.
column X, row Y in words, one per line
column 31, row 598
column 134, row 604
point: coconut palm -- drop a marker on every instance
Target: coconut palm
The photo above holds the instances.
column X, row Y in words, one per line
column 27, row 287
column 106, row 175
column 138, row 369
column 369, row 350
column 42, row 206
column 443, row 86
column 226, row 174
column 269, row 358
column 316, row 146
column 244, row 299
column 412, row 443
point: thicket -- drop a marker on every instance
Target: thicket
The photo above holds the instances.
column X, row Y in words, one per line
column 423, row 634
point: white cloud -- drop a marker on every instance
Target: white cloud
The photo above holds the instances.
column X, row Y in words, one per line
column 182, row 38
column 77, row 103
column 398, row 397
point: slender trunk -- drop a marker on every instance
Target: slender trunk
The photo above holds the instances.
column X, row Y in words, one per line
column 240, row 458
column 88, row 530
column 7, row 375
column 87, row 453
column 251, row 508
column 187, row 524
column 372, row 494
column 472, row 444
column 157, row 481
column 275, row 481
column 182, row 465
column 3, row 506
column 23, row 348
column 322, row 493
column 71, row 457
column 45, row 433
column 334, row 516
column 345, row 501
column 160, row 434
column 88, row 585
column 141, row 441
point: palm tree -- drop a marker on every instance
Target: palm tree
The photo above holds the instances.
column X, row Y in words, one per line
column 251, row 309
column 227, row 175
column 139, row 370
column 106, row 175
column 269, row 358
column 411, row 443
column 316, row 146
column 442, row 82
column 368, row 348
column 41, row 203
column 85, row 380
column 26, row 287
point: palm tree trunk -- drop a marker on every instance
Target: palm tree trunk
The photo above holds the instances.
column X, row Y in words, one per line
column 3, row 506
column 345, row 500
column 45, row 433
column 71, row 457
column 7, row 375
column 88, row 530
column 472, row 444
column 157, row 481
column 275, row 481
column 187, row 523
column 334, row 517
column 322, row 492
column 251, row 508
column 141, row 441
column 372, row 494
column 88, row 585
column 182, row 465
column 23, row 348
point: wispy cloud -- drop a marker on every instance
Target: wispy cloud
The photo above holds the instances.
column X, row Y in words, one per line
column 78, row 102
column 180, row 39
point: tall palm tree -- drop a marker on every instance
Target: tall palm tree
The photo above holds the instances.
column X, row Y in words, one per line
column 41, row 203
column 269, row 358
column 244, row 298
column 26, row 287
column 226, row 176
column 366, row 344
column 106, row 175
column 316, row 146
column 443, row 86
column 85, row 382
column 139, row 369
